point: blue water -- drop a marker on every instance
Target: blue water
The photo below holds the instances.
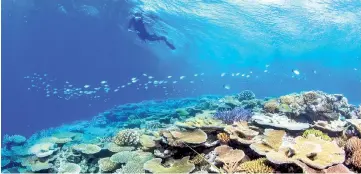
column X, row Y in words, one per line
column 85, row 42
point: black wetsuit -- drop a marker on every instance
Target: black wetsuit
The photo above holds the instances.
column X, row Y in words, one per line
column 143, row 34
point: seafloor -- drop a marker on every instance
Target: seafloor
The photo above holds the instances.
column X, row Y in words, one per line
column 310, row 132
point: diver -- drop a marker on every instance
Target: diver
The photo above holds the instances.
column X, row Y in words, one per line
column 137, row 23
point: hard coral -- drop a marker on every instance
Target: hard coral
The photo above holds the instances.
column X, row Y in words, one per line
column 356, row 158
column 127, row 137
column 204, row 121
column 234, row 115
column 43, row 149
column 255, row 166
column 353, row 144
column 223, row 138
column 193, row 137
column 246, row 95
column 241, row 132
column 317, row 133
column 271, row 142
column 88, row 149
column 106, row 165
column 179, row 166
column 226, row 154
column 271, row 106
column 69, row 168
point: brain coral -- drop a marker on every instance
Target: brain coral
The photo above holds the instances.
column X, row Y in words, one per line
column 127, row 137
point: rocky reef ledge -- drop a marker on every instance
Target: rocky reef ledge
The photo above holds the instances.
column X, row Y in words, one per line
column 307, row 132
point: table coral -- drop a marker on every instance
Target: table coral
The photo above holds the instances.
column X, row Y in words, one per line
column 241, row 132
column 69, row 168
column 204, row 121
column 193, row 136
column 88, row 149
column 180, row 166
column 43, row 149
column 115, row 148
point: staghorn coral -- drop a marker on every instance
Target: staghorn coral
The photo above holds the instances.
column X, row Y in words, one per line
column 179, row 166
column 193, row 137
column 234, row 115
column 223, row 138
column 106, row 165
column 356, row 159
column 317, row 133
column 271, row 106
column 88, row 149
column 241, row 132
column 246, row 95
column 256, row 166
column 127, row 137
column 69, row 168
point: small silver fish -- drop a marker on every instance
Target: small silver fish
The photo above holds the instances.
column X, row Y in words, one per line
column 295, row 71
column 227, row 87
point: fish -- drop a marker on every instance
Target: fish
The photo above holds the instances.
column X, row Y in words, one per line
column 182, row 77
column 191, row 81
column 295, row 71
column 144, row 75
column 223, row 74
column 169, row 77
column 195, row 75
column 265, row 71
column 86, row 86
column 103, row 82
column 237, row 74
column 227, row 87
column 150, row 77
column 175, row 82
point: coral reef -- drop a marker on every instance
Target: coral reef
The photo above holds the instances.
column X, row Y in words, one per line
column 179, row 166
column 310, row 132
column 234, row 115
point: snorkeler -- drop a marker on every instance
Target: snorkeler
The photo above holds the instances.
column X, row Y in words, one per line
column 138, row 25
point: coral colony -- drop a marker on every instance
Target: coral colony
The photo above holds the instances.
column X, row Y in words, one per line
column 310, row 132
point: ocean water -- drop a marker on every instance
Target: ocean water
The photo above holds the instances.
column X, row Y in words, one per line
column 72, row 60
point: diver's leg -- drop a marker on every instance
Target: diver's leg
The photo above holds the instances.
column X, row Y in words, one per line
column 155, row 37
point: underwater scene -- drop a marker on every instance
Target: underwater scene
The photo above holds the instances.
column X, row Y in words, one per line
column 178, row 86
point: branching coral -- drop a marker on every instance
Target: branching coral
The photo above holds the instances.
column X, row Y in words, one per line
column 179, row 166
column 356, row 158
column 246, row 95
column 127, row 137
column 223, row 138
column 353, row 144
column 317, row 133
column 234, row 115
